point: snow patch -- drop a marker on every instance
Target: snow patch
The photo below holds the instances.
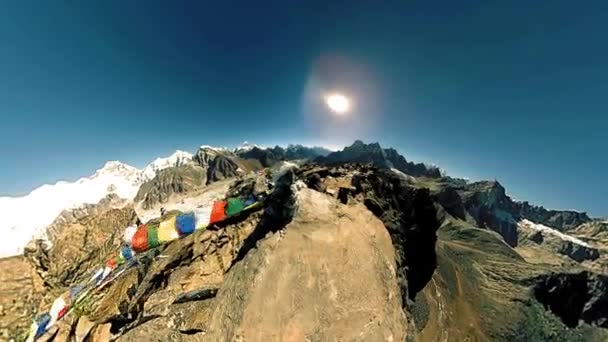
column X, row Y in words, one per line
column 552, row 231
column 176, row 159
column 246, row 146
column 185, row 203
column 25, row 218
column 215, row 148
column 408, row 177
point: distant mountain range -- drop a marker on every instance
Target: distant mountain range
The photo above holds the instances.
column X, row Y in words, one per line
column 27, row 216
column 436, row 258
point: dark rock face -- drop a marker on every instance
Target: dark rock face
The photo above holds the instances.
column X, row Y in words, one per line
column 169, row 181
column 577, row 252
column 314, row 182
column 450, row 200
column 270, row 156
column 410, row 216
column 562, row 220
column 267, row 157
column 221, row 168
column 280, row 208
column 575, row 296
column 491, row 208
column 374, row 154
column 488, row 204
column 415, row 169
column 537, row 237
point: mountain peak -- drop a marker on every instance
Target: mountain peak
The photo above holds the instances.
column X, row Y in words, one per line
column 246, row 146
column 373, row 153
column 115, row 167
column 178, row 158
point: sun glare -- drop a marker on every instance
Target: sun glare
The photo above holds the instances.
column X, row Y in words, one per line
column 338, row 103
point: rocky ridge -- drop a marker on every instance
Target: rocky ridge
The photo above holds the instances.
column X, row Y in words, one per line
column 443, row 259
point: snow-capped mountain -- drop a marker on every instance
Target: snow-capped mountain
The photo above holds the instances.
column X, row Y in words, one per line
column 25, row 217
column 551, row 231
column 245, row 146
column 176, row 159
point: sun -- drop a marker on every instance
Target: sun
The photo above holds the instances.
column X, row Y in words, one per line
column 338, row 103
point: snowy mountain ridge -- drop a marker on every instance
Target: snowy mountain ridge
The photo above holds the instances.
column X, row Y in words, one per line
column 26, row 217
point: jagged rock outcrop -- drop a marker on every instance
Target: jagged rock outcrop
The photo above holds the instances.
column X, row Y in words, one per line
column 221, row 164
column 575, row 297
column 266, row 157
column 270, row 156
column 561, row 219
column 318, row 271
column 221, row 168
column 70, row 216
column 173, row 180
column 79, row 247
column 374, row 154
column 490, row 207
column 578, row 252
column 410, row 217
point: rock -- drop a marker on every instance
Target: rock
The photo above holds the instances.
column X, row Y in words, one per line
column 451, row 201
column 79, row 246
column 83, row 328
column 331, row 276
column 173, row 180
column 489, row 206
column 269, row 156
column 221, row 168
column 314, row 182
column 575, row 297
column 115, row 304
column 71, row 216
column 578, row 252
column 559, row 219
column 410, row 216
column 537, row 237
column 374, row 154
column 345, row 193
column 101, row 333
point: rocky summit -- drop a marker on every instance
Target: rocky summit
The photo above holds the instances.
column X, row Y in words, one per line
column 353, row 245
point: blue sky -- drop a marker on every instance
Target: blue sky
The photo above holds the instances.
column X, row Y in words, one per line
column 514, row 91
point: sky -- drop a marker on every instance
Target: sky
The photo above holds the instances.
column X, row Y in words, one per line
column 514, row 90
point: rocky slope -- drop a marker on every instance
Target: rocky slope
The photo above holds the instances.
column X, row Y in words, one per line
column 373, row 153
column 170, row 181
column 331, row 273
column 209, row 165
column 359, row 249
column 485, row 204
column 26, row 217
column 270, row 156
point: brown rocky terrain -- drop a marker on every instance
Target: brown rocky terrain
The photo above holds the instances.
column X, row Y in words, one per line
column 338, row 252
column 19, row 297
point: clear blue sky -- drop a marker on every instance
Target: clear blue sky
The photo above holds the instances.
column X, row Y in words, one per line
column 515, row 90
